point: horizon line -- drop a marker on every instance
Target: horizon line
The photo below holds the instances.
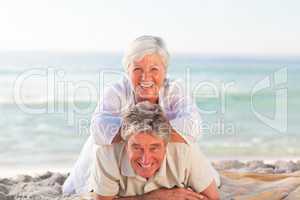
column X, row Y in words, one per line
column 174, row 53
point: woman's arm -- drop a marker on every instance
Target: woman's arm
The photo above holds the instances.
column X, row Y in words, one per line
column 183, row 112
column 106, row 120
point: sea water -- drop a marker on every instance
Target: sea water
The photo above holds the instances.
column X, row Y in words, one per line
column 249, row 105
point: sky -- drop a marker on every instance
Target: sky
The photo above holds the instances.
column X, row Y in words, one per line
column 260, row 27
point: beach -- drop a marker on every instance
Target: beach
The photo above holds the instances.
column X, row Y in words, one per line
column 47, row 100
column 251, row 180
column 226, row 76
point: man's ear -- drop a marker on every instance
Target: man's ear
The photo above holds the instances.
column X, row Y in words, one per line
column 117, row 138
column 126, row 145
column 166, row 142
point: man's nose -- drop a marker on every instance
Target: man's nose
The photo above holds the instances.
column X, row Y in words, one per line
column 146, row 157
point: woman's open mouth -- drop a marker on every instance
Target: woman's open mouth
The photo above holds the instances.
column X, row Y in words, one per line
column 147, row 84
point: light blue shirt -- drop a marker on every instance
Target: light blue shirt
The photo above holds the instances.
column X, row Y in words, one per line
column 175, row 101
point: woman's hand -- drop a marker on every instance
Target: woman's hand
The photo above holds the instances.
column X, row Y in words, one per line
column 176, row 137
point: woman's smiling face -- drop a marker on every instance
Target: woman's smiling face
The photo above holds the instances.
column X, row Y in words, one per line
column 147, row 76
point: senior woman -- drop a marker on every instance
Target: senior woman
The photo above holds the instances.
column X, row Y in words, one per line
column 146, row 63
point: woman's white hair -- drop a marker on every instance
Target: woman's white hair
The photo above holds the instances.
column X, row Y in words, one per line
column 147, row 118
column 144, row 45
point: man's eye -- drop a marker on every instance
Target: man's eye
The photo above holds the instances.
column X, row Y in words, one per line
column 153, row 149
column 136, row 148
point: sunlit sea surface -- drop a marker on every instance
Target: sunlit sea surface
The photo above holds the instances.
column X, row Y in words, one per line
column 249, row 105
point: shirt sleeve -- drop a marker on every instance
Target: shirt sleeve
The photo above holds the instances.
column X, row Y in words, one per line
column 201, row 172
column 104, row 179
column 106, row 120
column 183, row 115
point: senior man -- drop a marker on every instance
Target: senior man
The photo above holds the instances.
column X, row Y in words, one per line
column 148, row 165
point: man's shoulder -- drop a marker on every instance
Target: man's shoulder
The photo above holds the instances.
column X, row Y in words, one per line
column 110, row 154
column 178, row 153
column 175, row 147
column 181, row 153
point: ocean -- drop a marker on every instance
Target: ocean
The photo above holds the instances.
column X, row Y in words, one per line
column 249, row 104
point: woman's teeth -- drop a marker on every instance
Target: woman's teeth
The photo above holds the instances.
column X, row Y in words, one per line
column 147, row 84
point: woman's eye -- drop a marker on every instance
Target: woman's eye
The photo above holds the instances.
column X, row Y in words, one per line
column 154, row 69
column 137, row 70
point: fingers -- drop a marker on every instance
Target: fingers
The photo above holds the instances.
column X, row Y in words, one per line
column 176, row 138
column 191, row 195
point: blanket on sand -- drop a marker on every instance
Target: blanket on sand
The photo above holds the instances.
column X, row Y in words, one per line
column 239, row 181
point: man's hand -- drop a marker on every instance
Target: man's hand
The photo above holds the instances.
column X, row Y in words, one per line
column 174, row 194
column 161, row 194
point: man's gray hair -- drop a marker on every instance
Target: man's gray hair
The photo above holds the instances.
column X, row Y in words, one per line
column 144, row 45
column 147, row 118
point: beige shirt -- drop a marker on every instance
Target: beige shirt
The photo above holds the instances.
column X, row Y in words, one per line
column 184, row 166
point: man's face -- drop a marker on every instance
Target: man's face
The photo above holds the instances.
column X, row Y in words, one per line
column 146, row 153
column 147, row 76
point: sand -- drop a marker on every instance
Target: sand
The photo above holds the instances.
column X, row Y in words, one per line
column 253, row 180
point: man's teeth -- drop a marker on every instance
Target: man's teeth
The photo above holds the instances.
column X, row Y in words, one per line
column 147, row 84
column 146, row 166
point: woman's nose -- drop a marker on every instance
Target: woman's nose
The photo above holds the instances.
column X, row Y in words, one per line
column 146, row 76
